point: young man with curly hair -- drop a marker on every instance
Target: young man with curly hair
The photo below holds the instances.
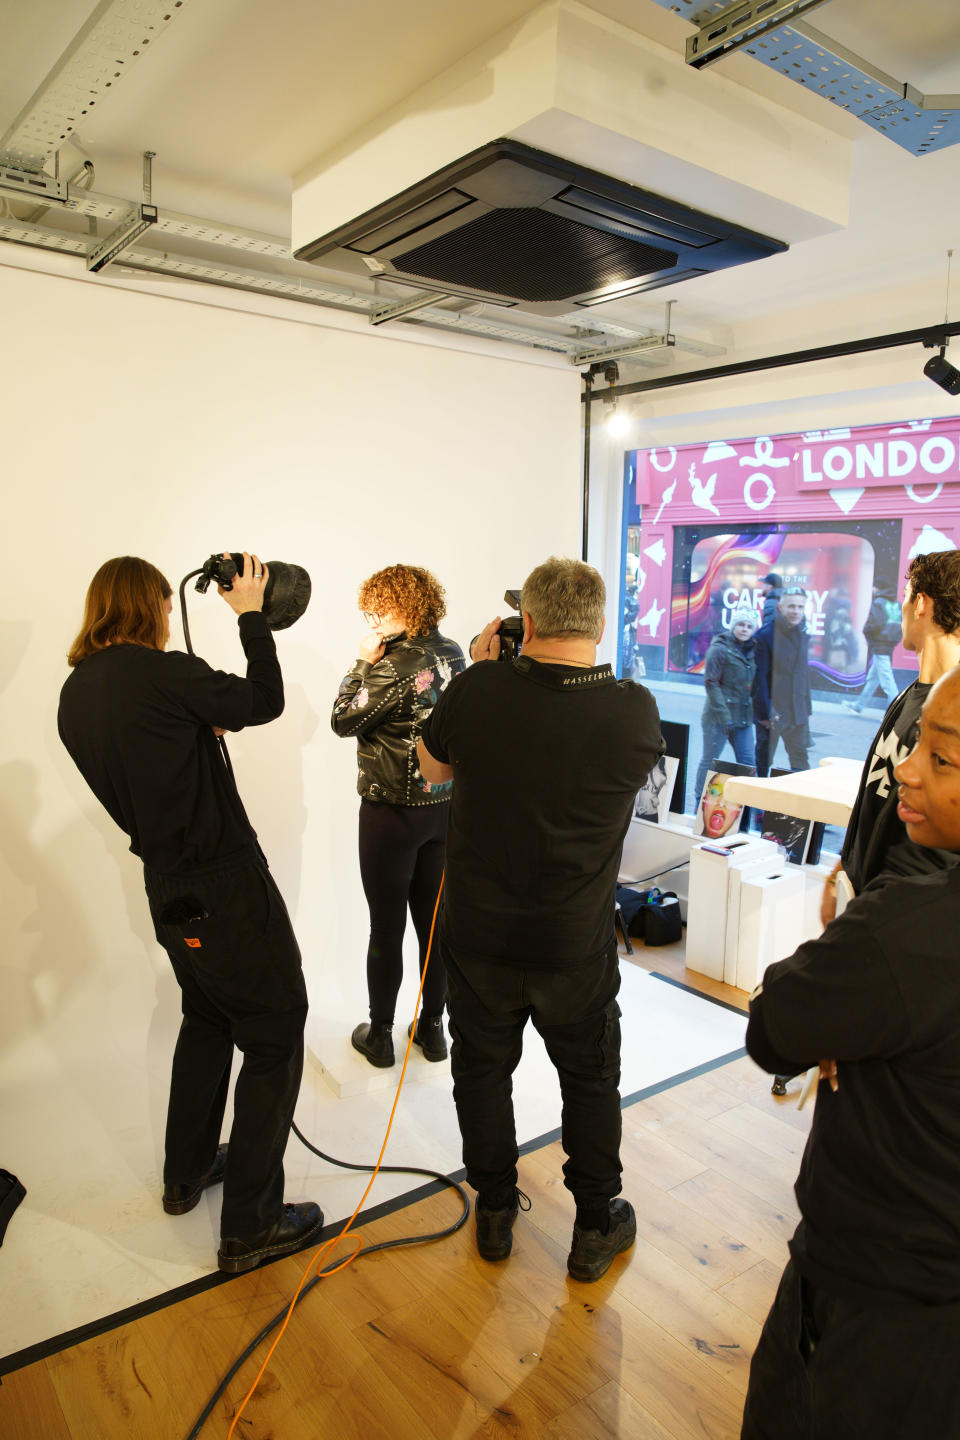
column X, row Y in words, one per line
column 876, row 841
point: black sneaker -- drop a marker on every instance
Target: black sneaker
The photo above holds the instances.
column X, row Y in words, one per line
column 297, row 1226
column 179, row 1199
column 430, row 1037
column 375, row 1042
column 495, row 1227
column 592, row 1253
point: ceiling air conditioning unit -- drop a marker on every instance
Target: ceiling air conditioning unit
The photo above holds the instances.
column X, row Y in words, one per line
column 514, row 226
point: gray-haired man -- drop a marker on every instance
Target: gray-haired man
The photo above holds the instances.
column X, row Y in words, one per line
column 546, row 754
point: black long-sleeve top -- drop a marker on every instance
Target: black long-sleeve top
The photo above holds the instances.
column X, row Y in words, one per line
column 138, row 724
column 879, row 993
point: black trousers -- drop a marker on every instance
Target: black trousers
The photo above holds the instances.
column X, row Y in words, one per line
column 796, row 739
column 828, row 1369
column 576, row 1012
column 236, row 959
column 401, row 863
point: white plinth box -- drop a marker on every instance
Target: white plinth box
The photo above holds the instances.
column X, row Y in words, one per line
column 771, row 923
column 708, row 918
column 746, row 909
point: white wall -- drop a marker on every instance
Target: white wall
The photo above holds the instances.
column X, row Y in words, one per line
column 147, row 423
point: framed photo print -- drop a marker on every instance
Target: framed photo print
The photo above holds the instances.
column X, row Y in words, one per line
column 653, row 798
column 716, row 815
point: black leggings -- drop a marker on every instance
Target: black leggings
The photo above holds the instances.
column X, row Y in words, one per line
column 401, row 862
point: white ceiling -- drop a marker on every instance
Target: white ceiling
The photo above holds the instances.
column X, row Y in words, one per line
column 238, row 96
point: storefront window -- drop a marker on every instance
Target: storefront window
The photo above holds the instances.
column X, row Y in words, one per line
column 836, row 514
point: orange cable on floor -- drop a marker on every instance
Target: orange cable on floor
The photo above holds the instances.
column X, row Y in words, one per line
column 328, row 1245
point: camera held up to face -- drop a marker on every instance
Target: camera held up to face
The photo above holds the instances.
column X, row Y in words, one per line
column 511, row 629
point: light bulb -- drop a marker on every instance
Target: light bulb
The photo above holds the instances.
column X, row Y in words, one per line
column 618, row 424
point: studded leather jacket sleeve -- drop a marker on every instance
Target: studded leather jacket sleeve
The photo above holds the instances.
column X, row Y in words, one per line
column 384, row 706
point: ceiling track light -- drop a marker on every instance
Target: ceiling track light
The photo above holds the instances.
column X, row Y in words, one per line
column 616, row 421
column 942, row 373
column 938, row 367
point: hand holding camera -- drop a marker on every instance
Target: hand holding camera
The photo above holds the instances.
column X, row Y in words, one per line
column 487, row 644
column 501, row 639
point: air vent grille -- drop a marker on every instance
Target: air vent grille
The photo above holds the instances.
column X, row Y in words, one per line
column 532, row 255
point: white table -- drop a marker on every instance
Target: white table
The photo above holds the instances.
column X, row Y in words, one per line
column 825, row 793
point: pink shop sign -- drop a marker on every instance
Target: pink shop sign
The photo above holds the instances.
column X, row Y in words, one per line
column 751, row 476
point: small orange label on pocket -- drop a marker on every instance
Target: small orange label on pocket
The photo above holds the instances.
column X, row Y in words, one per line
column 194, row 944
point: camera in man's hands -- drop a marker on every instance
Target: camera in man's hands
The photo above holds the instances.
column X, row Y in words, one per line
column 285, row 595
column 511, row 629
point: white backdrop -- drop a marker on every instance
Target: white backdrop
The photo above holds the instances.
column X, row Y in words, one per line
column 147, row 423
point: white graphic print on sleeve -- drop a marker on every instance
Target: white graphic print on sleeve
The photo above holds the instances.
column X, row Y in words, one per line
column 889, row 751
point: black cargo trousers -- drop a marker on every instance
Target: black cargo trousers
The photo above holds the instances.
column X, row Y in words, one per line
column 229, row 938
column 575, row 1011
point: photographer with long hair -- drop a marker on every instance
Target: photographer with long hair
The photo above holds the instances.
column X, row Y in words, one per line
column 404, row 664
column 141, row 724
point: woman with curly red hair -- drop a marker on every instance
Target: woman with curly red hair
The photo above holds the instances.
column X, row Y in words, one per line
column 403, row 665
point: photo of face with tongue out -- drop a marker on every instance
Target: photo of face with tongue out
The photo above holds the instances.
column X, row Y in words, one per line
column 718, row 815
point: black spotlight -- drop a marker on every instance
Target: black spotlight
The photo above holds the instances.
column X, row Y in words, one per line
column 942, row 373
column 285, row 595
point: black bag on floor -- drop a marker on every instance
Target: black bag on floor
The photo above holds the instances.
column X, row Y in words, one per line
column 651, row 915
column 661, row 919
column 632, row 907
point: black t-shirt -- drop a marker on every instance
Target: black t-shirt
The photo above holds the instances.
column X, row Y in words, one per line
column 879, row 1186
column 547, row 761
column 137, row 722
column 876, row 841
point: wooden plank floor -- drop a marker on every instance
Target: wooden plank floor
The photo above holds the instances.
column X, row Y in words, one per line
column 436, row 1344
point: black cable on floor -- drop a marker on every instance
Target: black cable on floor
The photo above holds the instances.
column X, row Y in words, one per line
column 271, row 1325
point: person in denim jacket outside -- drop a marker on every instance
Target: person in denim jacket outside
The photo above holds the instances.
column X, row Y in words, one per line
column 403, row 665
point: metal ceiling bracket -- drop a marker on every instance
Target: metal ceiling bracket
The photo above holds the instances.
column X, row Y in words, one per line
column 140, row 218
column 33, row 185
column 421, row 301
column 614, row 352
column 737, row 24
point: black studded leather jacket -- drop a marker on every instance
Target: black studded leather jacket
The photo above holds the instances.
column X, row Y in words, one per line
column 385, row 706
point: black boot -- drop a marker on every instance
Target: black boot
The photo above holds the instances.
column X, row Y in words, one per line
column 376, row 1043
column 495, row 1225
column 592, row 1252
column 430, row 1037
column 297, row 1226
column 179, row 1199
